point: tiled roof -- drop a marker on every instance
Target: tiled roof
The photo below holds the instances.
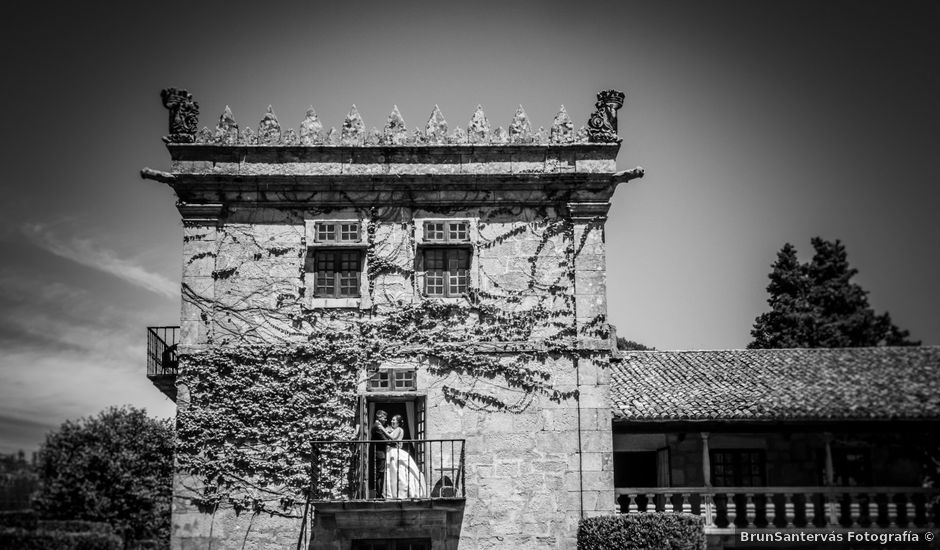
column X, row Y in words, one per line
column 781, row 384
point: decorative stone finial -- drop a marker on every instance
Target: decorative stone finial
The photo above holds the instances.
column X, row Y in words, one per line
column 248, row 136
column 311, row 129
column 478, row 130
column 269, row 129
column 539, row 137
column 500, row 136
column 602, row 126
column 417, row 137
column 204, row 135
column 562, row 127
column 332, row 137
column 353, row 128
column 458, row 137
column 581, row 136
column 519, row 130
column 184, row 115
column 373, row 137
column 436, row 129
column 289, row 137
column 226, row 133
column 395, row 133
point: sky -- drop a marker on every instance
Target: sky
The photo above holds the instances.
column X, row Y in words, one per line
column 758, row 123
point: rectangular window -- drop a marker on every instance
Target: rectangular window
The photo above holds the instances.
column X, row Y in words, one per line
column 446, row 271
column 337, row 273
column 447, row 232
column 738, row 468
column 393, row 380
column 338, row 232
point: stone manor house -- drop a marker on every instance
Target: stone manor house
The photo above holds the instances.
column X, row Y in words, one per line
column 456, row 279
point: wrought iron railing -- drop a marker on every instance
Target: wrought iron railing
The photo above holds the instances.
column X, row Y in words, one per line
column 423, row 469
column 161, row 351
column 729, row 508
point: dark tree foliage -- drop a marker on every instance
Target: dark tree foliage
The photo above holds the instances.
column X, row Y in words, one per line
column 629, row 345
column 816, row 305
column 116, row 467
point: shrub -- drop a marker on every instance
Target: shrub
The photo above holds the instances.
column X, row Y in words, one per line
column 23, row 519
column 75, row 526
column 648, row 531
column 21, row 539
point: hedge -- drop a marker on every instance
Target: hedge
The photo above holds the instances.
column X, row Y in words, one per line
column 75, row 526
column 647, row 531
column 21, row 539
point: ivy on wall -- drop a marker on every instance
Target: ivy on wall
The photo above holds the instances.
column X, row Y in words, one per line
column 255, row 406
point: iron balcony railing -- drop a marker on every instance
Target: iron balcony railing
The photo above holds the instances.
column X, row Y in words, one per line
column 726, row 509
column 161, row 351
column 415, row 469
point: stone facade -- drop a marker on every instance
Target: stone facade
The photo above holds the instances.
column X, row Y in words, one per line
column 534, row 216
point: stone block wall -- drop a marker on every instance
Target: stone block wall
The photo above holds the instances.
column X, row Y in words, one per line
column 532, row 471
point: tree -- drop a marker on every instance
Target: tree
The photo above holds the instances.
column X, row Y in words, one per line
column 116, row 467
column 629, row 345
column 816, row 305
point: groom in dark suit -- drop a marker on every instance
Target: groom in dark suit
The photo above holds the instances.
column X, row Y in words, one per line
column 378, row 451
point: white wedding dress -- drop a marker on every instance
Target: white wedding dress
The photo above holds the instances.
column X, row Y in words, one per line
column 403, row 478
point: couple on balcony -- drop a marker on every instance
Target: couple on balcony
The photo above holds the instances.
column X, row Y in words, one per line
column 397, row 476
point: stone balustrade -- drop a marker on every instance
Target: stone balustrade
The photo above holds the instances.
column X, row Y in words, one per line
column 729, row 508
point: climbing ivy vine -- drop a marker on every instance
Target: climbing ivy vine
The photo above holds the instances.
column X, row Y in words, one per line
column 253, row 408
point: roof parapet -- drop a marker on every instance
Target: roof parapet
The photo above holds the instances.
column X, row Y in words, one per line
column 184, row 121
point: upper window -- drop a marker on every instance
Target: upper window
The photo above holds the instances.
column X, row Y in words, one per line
column 395, row 379
column 337, row 273
column 337, row 232
column 446, row 232
column 738, row 468
column 446, row 271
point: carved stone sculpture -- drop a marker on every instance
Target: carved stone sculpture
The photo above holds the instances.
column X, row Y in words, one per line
column 269, row 129
column 562, row 128
column 184, row 115
column 436, row 129
column 500, row 136
column 520, row 130
column 311, row 130
column 602, row 126
column 395, row 132
column 353, row 128
column 478, row 130
column 226, row 133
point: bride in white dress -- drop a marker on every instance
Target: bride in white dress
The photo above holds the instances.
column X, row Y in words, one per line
column 403, row 478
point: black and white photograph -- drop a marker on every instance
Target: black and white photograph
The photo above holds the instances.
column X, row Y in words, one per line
column 470, row 275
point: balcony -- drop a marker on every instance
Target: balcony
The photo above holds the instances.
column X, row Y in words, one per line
column 162, row 362
column 352, row 471
column 729, row 509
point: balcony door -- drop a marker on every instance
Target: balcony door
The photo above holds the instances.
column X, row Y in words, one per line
column 412, row 410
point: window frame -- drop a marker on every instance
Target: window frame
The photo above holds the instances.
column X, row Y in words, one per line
column 450, row 232
column 450, row 288
column 339, row 276
column 391, row 377
column 737, row 463
column 337, row 231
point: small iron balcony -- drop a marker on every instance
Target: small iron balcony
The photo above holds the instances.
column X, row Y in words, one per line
column 162, row 362
column 420, row 469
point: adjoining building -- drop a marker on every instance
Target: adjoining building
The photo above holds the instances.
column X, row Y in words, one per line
column 456, row 280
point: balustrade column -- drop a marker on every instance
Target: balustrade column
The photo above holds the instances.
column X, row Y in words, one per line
column 706, row 460
column 750, row 510
column 789, row 510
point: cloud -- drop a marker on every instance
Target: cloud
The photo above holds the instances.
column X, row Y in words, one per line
column 88, row 253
